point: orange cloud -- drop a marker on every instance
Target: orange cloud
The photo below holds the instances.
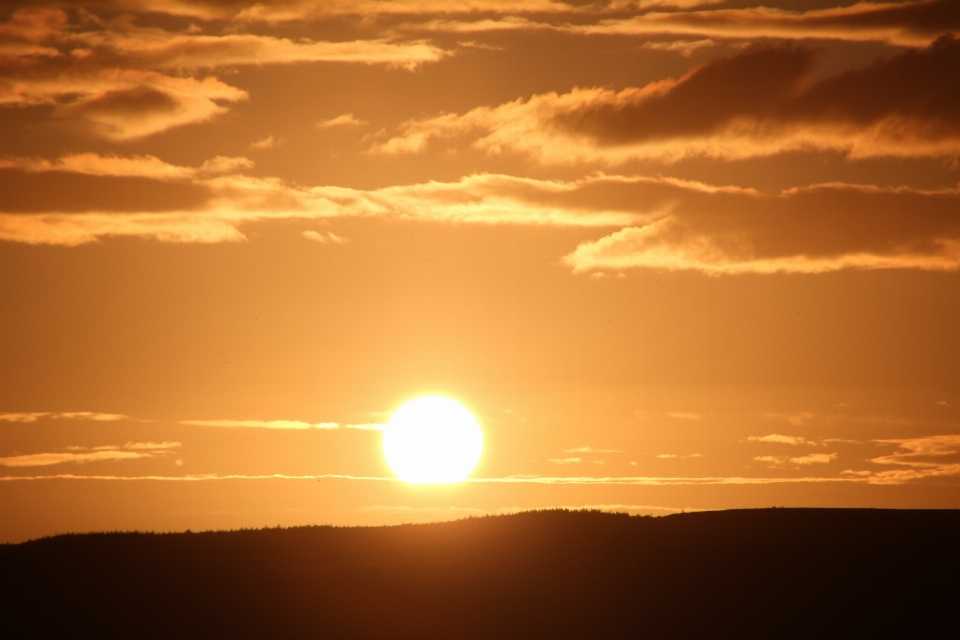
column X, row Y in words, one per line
column 288, row 10
column 134, row 450
column 814, row 458
column 69, row 415
column 775, row 438
column 666, row 223
column 231, row 201
column 110, row 77
column 296, row 425
column 812, row 230
column 762, row 101
column 915, row 23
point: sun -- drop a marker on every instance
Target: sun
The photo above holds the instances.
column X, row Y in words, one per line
column 432, row 440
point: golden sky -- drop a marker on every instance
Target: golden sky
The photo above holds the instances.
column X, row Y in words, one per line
column 672, row 254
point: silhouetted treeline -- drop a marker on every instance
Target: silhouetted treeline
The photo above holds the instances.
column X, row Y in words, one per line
column 771, row 573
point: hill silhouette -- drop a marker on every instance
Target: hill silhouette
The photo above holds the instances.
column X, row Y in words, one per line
column 766, row 573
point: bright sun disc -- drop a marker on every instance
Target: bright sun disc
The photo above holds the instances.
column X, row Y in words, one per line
column 432, row 439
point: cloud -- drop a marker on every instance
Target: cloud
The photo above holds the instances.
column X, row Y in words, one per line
column 151, row 446
column 565, row 460
column 266, row 143
column 914, row 23
column 230, row 201
column 683, row 415
column 935, row 456
column 815, row 229
column 344, row 120
column 814, row 458
column 279, row 424
column 116, row 80
column 762, row 101
column 666, row 223
column 895, row 477
column 673, row 456
column 793, row 440
column 917, row 452
column 196, row 478
column 318, row 236
column 278, row 11
column 133, row 451
column 683, row 47
column 591, row 450
column 145, row 166
column 69, row 415
column 523, row 479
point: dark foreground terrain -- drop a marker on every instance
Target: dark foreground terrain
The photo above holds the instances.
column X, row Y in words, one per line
column 770, row 573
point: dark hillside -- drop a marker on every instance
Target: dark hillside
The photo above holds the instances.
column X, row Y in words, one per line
column 772, row 573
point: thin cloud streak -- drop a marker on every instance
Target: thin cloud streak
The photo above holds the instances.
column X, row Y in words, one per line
column 893, row 477
column 279, row 11
column 914, row 23
column 134, row 450
column 909, row 24
column 779, row 439
column 68, row 415
column 199, row 477
column 296, row 425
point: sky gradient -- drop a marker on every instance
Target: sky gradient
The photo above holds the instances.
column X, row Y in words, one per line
column 672, row 254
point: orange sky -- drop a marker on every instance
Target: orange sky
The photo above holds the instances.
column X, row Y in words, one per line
column 673, row 254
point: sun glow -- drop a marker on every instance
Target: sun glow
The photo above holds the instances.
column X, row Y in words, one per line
column 432, row 440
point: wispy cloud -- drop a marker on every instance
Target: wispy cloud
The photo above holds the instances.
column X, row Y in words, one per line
column 683, row 415
column 814, row 458
column 683, row 47
column 924, row 457
column 130, row 451
column 673, row 224
column 231, row 201
column 151, row 446
column 762, row 101
column 68, row 415
column 124, row 82
column 254, row 11
column 296, row 425
column 323, row 238
column 565, row 460
column 591, row 450
column 343, row 120
column 779, row 439
column 269, row 142
column 198, row 477
column 904, row 23
column 145, row 166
